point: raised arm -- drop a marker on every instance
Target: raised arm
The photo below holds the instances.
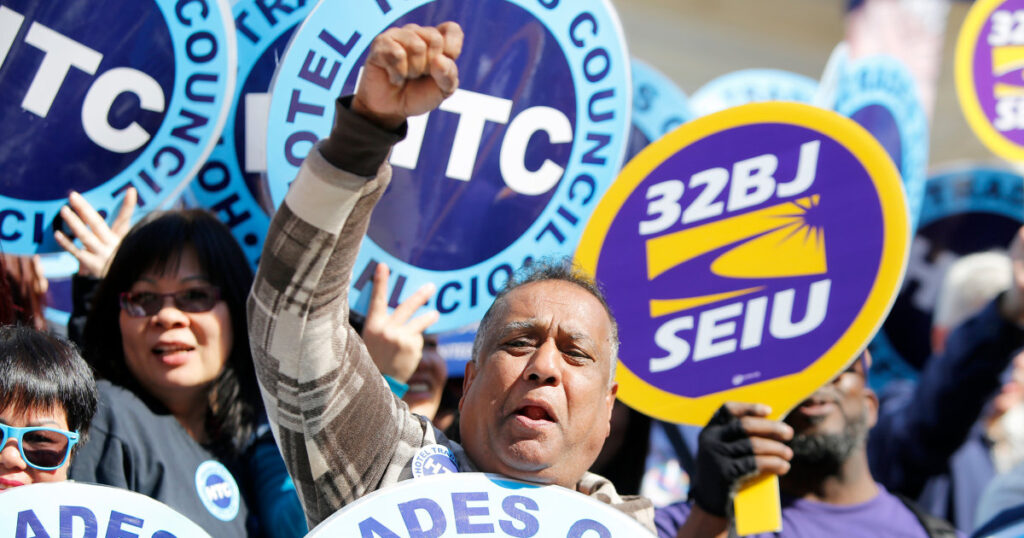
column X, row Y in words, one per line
column 915, row 436
column 330, row 409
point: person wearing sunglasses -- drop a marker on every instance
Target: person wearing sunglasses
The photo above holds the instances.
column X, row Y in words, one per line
column 47, row 401
column 180, row 418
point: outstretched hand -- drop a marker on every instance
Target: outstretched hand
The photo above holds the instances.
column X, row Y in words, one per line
column 99, row 241
column 408, row 71
column 395, row 341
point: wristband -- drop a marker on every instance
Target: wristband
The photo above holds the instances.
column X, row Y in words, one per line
column 397, row 387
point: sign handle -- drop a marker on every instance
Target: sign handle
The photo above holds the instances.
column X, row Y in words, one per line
column 757, row 508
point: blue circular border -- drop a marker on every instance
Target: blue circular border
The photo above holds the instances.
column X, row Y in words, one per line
column 750, row 86
column 853, row 95
column 668, row 106
column 207, row 469
column 108, row 195
column 895, row 366
column 252, row 219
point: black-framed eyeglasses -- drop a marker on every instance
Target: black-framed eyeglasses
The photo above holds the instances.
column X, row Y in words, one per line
column 139, row 304
column 41, row 448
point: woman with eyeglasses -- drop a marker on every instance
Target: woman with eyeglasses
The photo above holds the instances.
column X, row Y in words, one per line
column 180, row 416
column 47, row 400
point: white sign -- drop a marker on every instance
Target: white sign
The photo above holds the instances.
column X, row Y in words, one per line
column 62, row 509
column 479, row 504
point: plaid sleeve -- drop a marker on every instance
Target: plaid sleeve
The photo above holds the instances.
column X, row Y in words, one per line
column 328, row 405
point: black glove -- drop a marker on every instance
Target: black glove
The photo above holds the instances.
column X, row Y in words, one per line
column 724, row 457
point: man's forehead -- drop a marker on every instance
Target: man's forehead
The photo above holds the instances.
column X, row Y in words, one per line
column 540, row 303
column 508, row 326
column 538, row 298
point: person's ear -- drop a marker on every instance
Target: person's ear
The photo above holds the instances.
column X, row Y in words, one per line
column 610, row 405
column 467, row 381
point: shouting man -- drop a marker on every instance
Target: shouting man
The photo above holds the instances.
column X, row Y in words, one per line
column 539, row 390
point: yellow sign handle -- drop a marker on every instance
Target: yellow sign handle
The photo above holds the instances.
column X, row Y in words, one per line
column 757, row 508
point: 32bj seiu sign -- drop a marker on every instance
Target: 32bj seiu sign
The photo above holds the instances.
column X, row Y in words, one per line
column 748, row 255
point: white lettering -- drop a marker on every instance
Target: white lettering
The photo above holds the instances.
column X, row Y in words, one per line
column 705, row 206
column 1009, row 114
column 61, row 53
column 753, row 323
column 782, row 325
column 257, row 115
column 475, row 110
column 513, row 149
column 717, row 328
column 806, row 171
column 10, row 23
column 753, row 181
column 100, row 98
column 406, row 153
column 1007, row 28
column 663, row 205
column 666, row 338
column 710, row 327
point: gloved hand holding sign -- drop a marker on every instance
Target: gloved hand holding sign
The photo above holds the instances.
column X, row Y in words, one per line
column 751, row 255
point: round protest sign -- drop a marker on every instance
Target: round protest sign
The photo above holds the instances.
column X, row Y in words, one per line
column 507, row 169
column 456, row 346
column 880, row 94
column 965, row 210
column 73, row 509
column 106, row 96
column 1015, row 530
column 232, row 182
column 454, row 504
column 752, row 86
column 659, row 106
column 749, row 255
column 989, row 59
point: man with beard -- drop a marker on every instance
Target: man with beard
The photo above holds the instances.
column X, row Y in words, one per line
column 819, row 451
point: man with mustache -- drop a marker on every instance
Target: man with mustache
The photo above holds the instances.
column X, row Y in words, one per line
column 540, row 388
column 820, row 451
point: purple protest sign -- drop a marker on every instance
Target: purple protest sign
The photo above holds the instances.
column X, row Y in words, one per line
column 989, row 59
column 748, row 256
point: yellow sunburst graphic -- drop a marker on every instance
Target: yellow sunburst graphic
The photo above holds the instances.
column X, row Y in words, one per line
column 796, row 248
column 774, row 242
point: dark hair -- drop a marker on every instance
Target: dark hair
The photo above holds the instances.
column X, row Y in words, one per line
column 156, row 243
column 8, row 310
column 562, row 269
column 22, row 302
column 41, row 371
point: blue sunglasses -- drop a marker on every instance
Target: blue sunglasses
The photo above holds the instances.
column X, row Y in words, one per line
column 41, row 448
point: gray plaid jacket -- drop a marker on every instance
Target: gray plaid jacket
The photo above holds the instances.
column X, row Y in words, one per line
column 341, row 431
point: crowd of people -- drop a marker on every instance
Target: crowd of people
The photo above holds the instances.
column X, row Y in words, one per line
column 181, row 361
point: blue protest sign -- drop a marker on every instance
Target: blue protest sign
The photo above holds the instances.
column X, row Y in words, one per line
column 58, row 269
column 455, row 504
column 752, row 86
column 232, row 183
column 659, row 106
column 456, row 348
column 69, row 508
column 964, row 210
column 508, row 168
column 102, row 96
column 880, row 94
